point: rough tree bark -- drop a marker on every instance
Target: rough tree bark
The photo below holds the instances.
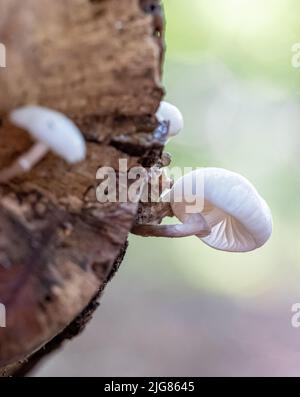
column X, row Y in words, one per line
column 99, row 62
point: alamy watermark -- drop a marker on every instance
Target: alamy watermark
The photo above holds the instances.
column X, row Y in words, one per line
column 139, row 184
column 2, row 56
column 295, row 61
column 295, row 320
column 2, row 316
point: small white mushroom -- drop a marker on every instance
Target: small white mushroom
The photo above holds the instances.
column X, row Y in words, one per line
column 52, row 131
column 239, row 219
column 169, row 113
column 233, row 216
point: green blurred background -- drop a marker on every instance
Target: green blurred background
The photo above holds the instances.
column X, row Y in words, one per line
column 180, row 307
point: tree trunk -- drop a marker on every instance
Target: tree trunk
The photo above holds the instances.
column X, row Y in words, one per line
column 99, row 62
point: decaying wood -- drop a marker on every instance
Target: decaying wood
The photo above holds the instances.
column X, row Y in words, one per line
column 99, row 62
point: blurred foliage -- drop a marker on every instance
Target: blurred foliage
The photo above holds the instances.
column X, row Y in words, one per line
column 252, row 37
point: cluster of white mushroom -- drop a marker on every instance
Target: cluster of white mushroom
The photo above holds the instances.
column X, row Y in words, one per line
column 234, row 217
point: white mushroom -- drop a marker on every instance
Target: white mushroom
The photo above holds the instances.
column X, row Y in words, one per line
column 240, row 220
column 233, row 216
column 52, row 131
column 169, row 113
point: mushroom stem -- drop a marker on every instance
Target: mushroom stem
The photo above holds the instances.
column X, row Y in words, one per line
column 24, row 163
column 196, row 225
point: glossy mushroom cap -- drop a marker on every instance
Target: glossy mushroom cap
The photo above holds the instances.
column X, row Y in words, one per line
column 52, row 128
column 170, row 113
column 239, row 218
